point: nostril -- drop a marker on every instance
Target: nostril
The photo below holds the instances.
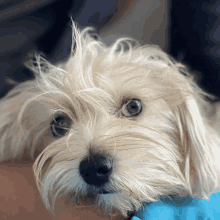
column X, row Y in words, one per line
column 103, row 171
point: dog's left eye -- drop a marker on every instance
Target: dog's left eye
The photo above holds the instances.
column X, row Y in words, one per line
column 60, row 126
column 131, row 108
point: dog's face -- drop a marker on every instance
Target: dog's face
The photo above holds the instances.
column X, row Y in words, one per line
column 117, row 128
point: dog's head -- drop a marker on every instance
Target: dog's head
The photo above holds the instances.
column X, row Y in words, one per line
column 118, row 126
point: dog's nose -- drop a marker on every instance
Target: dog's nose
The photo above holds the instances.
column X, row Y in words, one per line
column 96, row 169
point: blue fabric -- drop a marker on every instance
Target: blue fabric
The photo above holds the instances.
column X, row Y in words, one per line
column 182, row 209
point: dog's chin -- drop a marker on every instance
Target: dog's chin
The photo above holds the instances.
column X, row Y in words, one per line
column 94, row 197
column 103, row 194
column 82, row 204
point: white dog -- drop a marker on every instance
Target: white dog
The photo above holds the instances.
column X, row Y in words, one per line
column 112, row 127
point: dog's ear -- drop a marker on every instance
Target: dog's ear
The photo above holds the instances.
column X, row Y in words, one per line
column 198, row 144
column 20, row 116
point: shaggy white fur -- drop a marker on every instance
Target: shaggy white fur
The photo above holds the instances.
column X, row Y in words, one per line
column 133, row 104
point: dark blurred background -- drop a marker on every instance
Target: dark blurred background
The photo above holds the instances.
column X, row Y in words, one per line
column 188, row 30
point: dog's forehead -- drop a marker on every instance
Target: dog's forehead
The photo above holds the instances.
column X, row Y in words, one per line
column 118, row 73
column 107, row 83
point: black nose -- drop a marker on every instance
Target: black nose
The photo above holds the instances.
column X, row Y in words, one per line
column 96, row 169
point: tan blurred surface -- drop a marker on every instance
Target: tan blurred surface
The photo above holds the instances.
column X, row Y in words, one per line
column 20, row 199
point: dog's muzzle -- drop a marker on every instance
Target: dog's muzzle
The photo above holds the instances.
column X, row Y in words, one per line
column 96, row 170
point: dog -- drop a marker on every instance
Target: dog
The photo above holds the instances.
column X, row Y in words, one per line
column 113, row 127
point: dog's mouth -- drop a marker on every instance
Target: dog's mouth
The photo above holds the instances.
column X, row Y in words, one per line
column 95, row 191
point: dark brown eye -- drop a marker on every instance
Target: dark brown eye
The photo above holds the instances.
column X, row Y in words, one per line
column 131, row 108
column 60, row 126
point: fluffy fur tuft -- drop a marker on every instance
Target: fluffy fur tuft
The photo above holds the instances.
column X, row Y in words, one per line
column 169, row 149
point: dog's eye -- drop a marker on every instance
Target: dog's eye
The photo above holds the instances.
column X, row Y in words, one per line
column 131, row 108
column 60, row 126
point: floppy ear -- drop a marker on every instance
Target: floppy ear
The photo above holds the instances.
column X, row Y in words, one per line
column 19, row 115
column 198, row 146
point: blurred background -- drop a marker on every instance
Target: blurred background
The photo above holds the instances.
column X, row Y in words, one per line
column 188, row 30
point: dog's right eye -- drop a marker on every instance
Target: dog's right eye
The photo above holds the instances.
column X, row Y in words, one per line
column 60, row 126
column 131, row 108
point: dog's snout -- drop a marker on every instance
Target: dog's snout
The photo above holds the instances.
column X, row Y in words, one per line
column 96, row 169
